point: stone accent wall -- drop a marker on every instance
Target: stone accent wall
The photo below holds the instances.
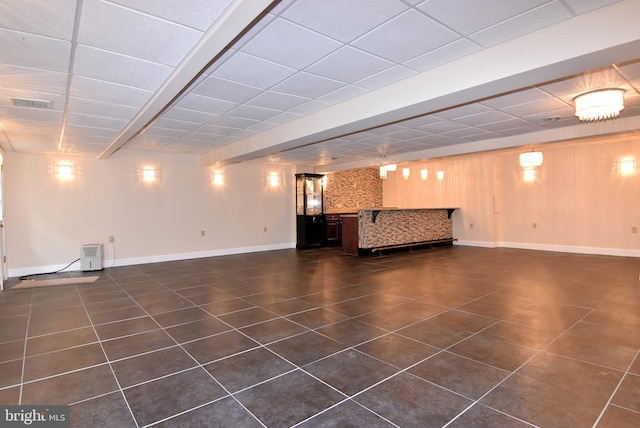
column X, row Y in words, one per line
column 397, row 227
column 357, row 188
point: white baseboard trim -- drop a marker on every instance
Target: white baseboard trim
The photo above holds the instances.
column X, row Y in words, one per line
column 485, row 244
column 621, row 252
column 107, row 263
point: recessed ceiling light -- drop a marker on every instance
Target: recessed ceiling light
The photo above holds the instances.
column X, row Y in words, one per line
column 25, row 102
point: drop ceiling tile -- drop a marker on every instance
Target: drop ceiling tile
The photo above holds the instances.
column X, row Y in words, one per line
column 26, row 115
column 439, row 140
column 543, row 16
column 405, row 37
column 385, row 130
column 199, row 14
column 407, row 134
column 386, row 77
column 233, row 122
column 349, row 65
column 243, row 133
column 343, row 94
column 28, row 50
column 52, row 19
column 470, row 16
column 543, row 107
column 516, row 98
column 199, row 136
column 465, row 133
column 164, row 122
column 98, row 108
column 205, row 104
column 164, row 132
column 187, row 115
column 222, row 89
column 252, row 113
column 212, row 131
column 504, row 125
column 30, row 79
column 95, row 121
column 444, row 126
column 525, row 129
column 253, row 71
column 455, row 50
column 568, row 89
column 120, row 69
column 630, row 70
column 283, row 117
column 100, row 90
column 484, row 117
column 83, row 147
column 149, row 142
column 417, row 122
column 130, row 32
column 84, row 131
column 289, row 44
column 542, row 117
column 277, row 100
column 310, row 107
column 343, row 21
column 260, row 126
column 308, row 85
column 583, row 6
column 466, row 110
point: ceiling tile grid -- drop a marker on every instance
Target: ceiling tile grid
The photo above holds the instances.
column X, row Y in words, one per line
column 300, row 58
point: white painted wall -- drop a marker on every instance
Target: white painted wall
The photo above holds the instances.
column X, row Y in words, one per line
column 47, row 220
column 579, row 201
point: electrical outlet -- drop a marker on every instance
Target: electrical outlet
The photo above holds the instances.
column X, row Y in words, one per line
column 111, row 239
column 265, row 228
column 471, row 226
column 534, row 225
column 202, row 233
column 634, row 229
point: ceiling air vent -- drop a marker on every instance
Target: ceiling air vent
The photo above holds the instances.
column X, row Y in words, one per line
column 24, row 102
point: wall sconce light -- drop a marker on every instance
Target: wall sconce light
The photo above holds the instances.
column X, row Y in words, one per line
column 148, row 174
column 218, row 178
column 405, row 173
column 599, row 105
column 440, row 175
column 274, row 179
column 529, row 174
column 424, row 173
column 627, row 166
column 385, row 168
column 64, row 171
column 530, row 159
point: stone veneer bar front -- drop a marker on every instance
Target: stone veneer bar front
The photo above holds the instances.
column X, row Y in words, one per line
column 392, row 227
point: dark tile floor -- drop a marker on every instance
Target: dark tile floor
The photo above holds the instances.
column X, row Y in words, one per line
column 454, row 336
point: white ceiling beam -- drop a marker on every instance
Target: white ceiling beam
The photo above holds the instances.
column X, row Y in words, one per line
column 570, row 47
column 234, row 21
column 581, row 131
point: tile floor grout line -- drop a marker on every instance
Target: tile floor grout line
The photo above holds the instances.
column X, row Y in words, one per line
column 113, row 373
column 538, row 352
column 615, row 390
column 24, row 352
column 198, row 364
